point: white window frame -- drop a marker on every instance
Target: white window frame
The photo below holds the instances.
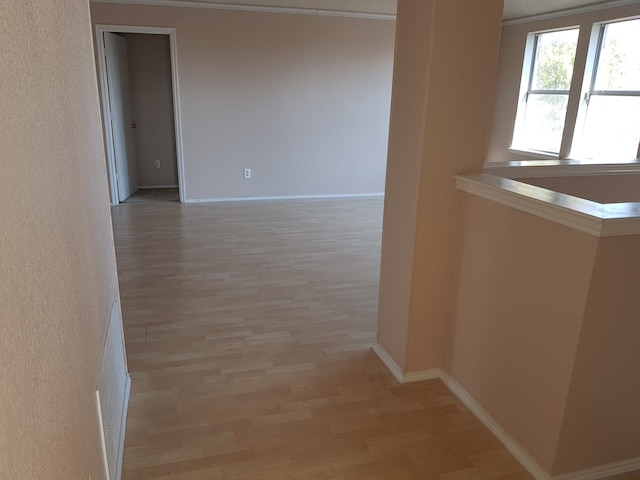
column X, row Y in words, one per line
column 588, row 82
column 585, row 64
column 526, row 80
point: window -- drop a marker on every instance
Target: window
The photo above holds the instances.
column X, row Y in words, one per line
column 545, row 91
column 608, row 126
column 598, row 119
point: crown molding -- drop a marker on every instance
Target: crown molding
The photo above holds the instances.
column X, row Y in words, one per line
column 569, row 11
column 365, row 15
column 251, row 8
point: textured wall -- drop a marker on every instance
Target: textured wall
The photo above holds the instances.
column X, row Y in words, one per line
column 57, row 268
column 301, row 100
column 152, row 96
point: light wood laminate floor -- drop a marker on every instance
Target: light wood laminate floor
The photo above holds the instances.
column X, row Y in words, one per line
column 248, row 329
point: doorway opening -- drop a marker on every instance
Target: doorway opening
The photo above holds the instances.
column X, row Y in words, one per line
column 137, row 68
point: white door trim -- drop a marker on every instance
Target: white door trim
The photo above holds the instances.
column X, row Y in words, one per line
column 106, row 114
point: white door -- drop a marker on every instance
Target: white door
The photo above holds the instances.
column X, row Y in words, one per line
column 121, row 114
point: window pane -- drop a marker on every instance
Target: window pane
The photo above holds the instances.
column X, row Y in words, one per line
column 612, row 129
column 544, row 122
column 555, row 53
column 619, row 63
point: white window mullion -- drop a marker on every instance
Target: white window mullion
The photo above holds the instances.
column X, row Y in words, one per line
column 585, row 82
column 576, row 97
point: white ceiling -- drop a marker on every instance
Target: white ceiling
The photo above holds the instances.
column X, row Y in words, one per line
column 512, row 8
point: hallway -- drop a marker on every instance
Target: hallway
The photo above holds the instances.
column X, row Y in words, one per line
column 248, row 329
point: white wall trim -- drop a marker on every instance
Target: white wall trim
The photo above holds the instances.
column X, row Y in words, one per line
column 559, row 168
column 541, row 205
column 112, row 394
column 422, row 375
column 389, row 362
column 177, row 115
column 284, row 197
column 600, row 220
column 366, row 16
column 123, row 421
column 569, row 11
column 519, row 453
column 106, row 114
column 253, row 8
column 602, row 471
column 151, row 187
column 105, row 460
column 402, row 377
column 510, row 444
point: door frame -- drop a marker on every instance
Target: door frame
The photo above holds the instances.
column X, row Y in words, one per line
column 106, row 113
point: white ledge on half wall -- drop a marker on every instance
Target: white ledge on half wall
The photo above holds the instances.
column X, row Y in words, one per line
column 598, row 219
column 560, row 168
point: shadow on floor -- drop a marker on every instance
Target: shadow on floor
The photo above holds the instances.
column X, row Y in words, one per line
column 154, row 195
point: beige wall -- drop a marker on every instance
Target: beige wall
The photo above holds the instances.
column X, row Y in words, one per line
column 510, row 70
column 455, row 138
column 598, row 188
column 544, row 334
column 602, row 417
column 439, row 128
column 521, row 288
column 301, row 100
column 403, row 173
column 58, row 275
column 152, row 97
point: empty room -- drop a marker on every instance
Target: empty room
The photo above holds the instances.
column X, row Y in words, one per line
column 309, row 239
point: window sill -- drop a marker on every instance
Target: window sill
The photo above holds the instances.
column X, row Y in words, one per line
column 533, row 154
column 561, row 168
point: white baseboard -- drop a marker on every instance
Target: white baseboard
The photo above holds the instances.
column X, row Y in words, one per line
column 602, row 471
column 151, row 187
column 422, row 375
column 521, row 454
column 283, row 197
column 488, row 421
column 409, row 377
column 389, row 362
